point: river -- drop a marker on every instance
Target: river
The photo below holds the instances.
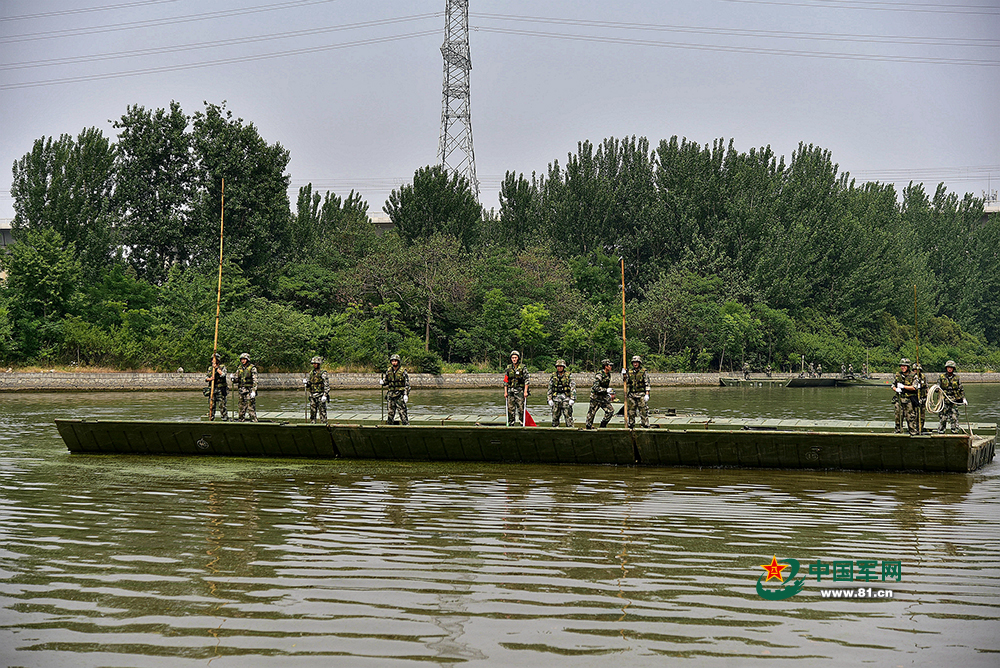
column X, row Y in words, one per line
column 157, row 561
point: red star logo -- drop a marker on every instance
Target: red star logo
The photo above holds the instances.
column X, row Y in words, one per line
column 774, row 569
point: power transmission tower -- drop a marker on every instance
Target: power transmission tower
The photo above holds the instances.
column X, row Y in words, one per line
column 455, row 149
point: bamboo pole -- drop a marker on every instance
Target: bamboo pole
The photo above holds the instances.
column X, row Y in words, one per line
column 916, row 331
column 624, row 359
column 218, row 298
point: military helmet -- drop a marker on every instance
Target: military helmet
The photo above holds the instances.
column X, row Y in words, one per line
column 316, row 360
column 636, row 358
column 514, row 352
column 561, row 363
column 394, row 358
column 904, row 362
column 605, row 362
column 244, row 356
column 950, row 363
column 917, row 367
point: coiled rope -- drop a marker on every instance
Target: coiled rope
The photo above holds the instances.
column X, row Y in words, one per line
column 935, row 399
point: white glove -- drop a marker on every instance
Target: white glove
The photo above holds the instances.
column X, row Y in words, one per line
column 965, row 402
column 551, row 403
column 406, row 398
column 623, row 371
column 381, row 381
column 305, row 381
column 253, row 395
column 646, row 398
column 571, row 402
column 322, row 399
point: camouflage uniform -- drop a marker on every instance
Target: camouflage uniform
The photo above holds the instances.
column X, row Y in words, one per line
column 220, row 393
column 562, row 395
column 636, row 391
column 921, row 406
column 954, row 394
column 318, row 386
column 515, row 379
column 397, row 385
column 245, row 380
column 600, row 398
column 746, row 371
column 905, row 400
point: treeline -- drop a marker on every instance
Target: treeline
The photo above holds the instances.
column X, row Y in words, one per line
column 730, row 257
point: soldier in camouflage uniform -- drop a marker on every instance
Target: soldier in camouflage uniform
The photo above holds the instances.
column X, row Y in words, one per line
column 318, row 386
column 906, row 397
column 562, row 394
column 221, row 389
column 954, row 396
column 397, row 384
column 245, row 380
column 920, row 382
column 515, row 389
column 601, row 395
column 637, row 392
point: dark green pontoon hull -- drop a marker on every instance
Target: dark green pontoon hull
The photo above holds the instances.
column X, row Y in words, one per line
column 709, row 446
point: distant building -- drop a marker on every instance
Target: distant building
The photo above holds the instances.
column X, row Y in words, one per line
column 381, row 221
column 6, row 239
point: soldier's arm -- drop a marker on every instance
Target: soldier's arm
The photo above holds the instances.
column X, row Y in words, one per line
column 253, row 379
column 326, row 382
column 406, row 383
column 552, row 386
column 572, row 389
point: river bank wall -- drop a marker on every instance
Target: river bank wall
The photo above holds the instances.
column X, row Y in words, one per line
column 132, row 381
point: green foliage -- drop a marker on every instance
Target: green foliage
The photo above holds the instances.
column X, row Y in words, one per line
column 435, row 203
column 531, row 332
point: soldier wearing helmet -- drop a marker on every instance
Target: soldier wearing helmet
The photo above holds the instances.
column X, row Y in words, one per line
column 245, row 380
column 217, row 388
column 954, row 396
column 515, row 389
column 636, row 393
column 601, row 396
column 562, row 394
column 318, row 387
column 905, row 398
column 397, row 384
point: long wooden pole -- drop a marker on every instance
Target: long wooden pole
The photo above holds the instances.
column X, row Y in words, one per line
column 624, row 360
column 218, row 298
column 916, row 330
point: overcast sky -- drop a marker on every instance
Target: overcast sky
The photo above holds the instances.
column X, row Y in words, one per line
column 895, row 90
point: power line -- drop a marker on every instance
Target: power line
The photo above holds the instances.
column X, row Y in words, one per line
column 221, row 61
column 217, row 43
column 882, row 6
column 84, row 10
column 154, row 23
column 742, row 49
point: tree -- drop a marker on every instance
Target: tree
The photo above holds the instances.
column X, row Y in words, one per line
column 156, row 175
column 257, row 213
column 531, row 331
column 436, row 202
column 67, row 185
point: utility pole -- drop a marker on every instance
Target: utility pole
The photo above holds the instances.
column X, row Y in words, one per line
column 455, row 149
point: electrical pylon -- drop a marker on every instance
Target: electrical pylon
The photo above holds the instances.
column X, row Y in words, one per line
column 455, row 149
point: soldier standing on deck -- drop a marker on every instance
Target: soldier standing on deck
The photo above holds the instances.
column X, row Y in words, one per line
column 221, row 389
column 637, row 392
column 906, row 397
column 954, row 395
column 920, row 382
column 318, row 386
column 601, row 395
column 397, row 384
column 562, row 394
column 245, row 379
column 515, row 389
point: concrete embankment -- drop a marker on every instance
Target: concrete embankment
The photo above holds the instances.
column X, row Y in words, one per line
column 131, row 381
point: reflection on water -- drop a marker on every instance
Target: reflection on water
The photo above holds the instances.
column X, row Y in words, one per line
column 172, row 562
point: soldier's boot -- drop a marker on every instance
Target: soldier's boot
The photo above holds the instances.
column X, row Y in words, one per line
column 604, row 422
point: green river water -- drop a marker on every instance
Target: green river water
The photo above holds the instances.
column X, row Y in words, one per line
column 148, row 561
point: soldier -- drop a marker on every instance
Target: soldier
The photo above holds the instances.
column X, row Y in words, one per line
column 746, row 370
column 920, row 382
column 768, row 370
column 217, row 370
column 245, row 380
column 601, row 396
column 819, row 370
column 562, row 394
column 850, row 371
column 906, row 397
column 812, row 369
column 843, row 370
column 637, row 392
column 397, row 384
column 954, row 395
column 515, row 389
column 318, row 386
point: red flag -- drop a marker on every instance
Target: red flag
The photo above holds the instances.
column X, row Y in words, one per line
column 528, row 420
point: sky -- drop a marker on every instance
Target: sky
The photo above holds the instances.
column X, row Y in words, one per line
column 896, row 91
